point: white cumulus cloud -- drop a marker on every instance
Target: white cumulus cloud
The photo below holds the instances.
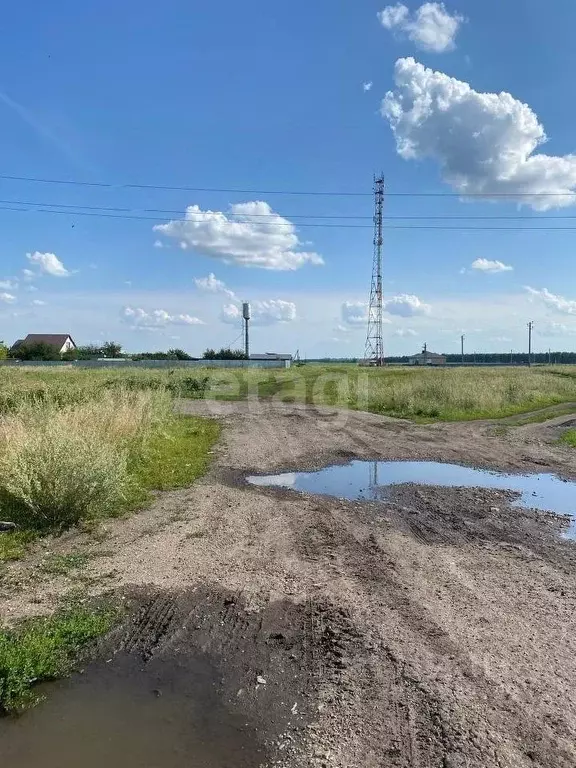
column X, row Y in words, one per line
column 553, row 301
column 486, row 265
column 485, row 143
column 367, row 86
column 211, row 284
column 267, row 312
column 251, row 235
column 38, row 303
column 431, row 27
column 48, row 263
column 8, row 285
column 404, row 332
column 406, row 305
column 138, row 318
column 8, row 298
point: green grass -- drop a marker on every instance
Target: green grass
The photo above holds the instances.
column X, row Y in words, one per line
column 45, row 649
column 61, row 565
column 569, row 437
column 449, row 394
column 424, row 395
column 178, row 455
column 13, row 545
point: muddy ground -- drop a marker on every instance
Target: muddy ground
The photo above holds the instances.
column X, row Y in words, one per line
column 433, row 630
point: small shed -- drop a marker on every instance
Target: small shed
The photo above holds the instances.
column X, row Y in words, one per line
column 276, row 356
column 427, row 358
column 271, row 356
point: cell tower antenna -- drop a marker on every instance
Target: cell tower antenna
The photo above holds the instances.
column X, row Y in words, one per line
column 246, row 322
column 374, row 351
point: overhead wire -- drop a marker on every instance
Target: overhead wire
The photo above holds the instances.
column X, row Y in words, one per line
column 457, row 227
column 328, row 193
column 229, row 214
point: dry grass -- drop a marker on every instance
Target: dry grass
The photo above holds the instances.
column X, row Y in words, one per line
column 467, row 393
column 61, row 465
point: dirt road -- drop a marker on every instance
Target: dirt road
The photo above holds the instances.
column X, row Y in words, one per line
column 435, row 630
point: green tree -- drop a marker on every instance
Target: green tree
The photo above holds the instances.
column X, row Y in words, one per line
column 3, row 351
column 111, row 349
column 179, row 354
column 70, row 354
column 89, row 352
column 224, row 354
column 39, row 350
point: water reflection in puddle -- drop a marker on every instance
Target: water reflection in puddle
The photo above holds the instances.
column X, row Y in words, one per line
column 368, row 481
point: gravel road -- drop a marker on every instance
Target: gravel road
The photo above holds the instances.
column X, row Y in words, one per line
column 433, row 630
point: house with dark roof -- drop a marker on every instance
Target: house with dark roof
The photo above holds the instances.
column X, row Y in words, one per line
column 427, row 358
column 63, row 342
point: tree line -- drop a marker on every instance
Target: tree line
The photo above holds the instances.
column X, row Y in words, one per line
column 43, row 352
column 501, row 358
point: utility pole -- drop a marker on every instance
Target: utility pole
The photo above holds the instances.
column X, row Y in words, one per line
column 374, row 350
column 530, row 328
column 462, row 345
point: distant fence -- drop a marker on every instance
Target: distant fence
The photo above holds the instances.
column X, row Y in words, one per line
column 120, row 363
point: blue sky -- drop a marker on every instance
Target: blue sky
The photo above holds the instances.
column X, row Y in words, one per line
column 280, row 97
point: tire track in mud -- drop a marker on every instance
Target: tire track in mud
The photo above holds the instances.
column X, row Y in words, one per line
column 430, row 724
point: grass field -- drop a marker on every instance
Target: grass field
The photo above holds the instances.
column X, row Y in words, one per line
column 421, row 394
column 445, row 394
column 79, row 444
column 77, row 447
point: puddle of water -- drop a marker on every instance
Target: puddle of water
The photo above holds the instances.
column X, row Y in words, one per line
column 119, row 714
column 368, row 481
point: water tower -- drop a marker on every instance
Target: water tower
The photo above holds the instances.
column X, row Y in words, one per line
column 246, row 318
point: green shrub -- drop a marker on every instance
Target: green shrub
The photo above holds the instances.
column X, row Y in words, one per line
column 61, row 465
column 51, row 477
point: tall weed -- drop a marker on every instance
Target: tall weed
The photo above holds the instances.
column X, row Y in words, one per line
column 61, row 465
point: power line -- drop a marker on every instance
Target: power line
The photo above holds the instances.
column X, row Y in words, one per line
column 454, row 228
column 328, row 193
column 100, row 215
column 229, row 214
column 171, row 188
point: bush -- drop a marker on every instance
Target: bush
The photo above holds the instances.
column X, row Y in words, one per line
column 59, row 466
column 52, row 477
column 38, row 350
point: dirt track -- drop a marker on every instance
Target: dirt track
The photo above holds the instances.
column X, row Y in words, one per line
column 429, row 631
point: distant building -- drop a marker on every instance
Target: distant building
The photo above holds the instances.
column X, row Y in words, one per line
column 63, row 342
column 271, row 356
column 286, row 359
column 427, row 358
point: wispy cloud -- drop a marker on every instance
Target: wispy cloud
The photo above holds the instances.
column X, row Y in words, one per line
column 42, row 130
